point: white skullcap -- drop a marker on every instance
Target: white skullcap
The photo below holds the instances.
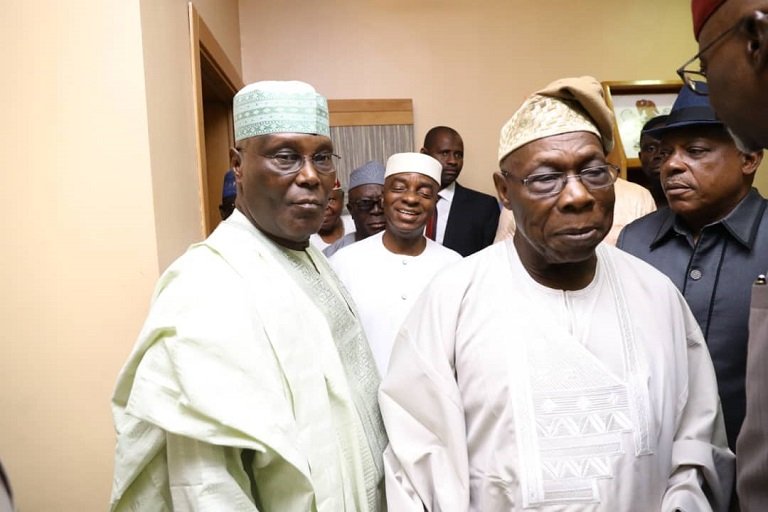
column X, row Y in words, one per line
column 414, row 162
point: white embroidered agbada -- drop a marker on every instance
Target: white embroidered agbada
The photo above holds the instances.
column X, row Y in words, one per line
column 384, row 286
column 251, row 387
column 504, row 395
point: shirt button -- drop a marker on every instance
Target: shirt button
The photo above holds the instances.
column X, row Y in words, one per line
column 695, row 274
column 405, row 262
column 404, row 297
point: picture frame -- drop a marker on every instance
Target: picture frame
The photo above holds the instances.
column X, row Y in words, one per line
column 633, row 103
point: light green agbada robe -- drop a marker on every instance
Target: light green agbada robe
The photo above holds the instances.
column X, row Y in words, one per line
column 251, row 387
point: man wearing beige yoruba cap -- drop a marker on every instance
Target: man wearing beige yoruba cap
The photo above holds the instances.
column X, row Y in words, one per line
column 553, row 371
column 252, row 386
column 386, row 272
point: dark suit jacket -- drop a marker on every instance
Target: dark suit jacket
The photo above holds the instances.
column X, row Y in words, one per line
column 472, row 221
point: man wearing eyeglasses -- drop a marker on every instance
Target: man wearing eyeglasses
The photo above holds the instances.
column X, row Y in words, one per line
column 733, row 63
column 632, row 202
column 553, row 371
column 386, row 272
column 252, row 386
column 366, row 184
column 712, row 240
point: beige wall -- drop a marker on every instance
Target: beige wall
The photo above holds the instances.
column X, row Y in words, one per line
column 99, row 191
column 98, row 194
column 466, row 64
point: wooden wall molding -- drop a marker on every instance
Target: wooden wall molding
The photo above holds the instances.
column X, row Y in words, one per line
column 370, row 112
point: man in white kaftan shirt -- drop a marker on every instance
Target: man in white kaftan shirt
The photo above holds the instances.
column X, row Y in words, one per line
column 386, row 272
column 553, row 372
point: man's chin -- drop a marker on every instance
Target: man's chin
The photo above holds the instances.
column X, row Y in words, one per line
column 448, row 177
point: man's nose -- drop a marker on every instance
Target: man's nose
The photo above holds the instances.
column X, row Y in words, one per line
column 307, row 174
column 411, row 197
column 671, row 164
column 575, row 193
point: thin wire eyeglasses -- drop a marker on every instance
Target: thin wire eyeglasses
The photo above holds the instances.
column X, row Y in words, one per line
column 696, row 78
column 290, row 162
column 552, row 183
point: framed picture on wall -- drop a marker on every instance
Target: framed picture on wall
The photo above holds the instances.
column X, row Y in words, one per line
column 633, row 104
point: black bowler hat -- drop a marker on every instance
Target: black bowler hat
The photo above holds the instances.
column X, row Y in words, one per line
column 690, row 109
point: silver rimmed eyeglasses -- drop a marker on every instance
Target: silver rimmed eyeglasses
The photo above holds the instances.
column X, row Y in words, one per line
column 552, row 183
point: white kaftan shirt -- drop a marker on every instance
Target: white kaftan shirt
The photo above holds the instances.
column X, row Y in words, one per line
column 504, row 395
column 384, row 286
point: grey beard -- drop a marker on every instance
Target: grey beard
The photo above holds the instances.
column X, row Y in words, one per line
column 741, row 145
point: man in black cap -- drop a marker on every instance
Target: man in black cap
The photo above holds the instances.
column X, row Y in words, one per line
column 713, row 238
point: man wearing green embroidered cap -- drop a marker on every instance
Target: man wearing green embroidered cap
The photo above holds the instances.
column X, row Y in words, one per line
column 252, row 386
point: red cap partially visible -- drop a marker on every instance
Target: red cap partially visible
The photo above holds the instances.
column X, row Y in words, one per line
column 702, row 10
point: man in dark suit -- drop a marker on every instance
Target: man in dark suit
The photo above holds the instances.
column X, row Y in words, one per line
column 465, row 219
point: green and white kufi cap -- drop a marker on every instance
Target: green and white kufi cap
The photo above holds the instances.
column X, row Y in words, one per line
column 268, row 107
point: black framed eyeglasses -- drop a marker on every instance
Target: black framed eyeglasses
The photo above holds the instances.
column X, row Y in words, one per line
column 695, row 78
column 368, row 204
column 552, row 183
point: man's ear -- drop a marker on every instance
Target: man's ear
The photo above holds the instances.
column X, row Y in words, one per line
column 502, row 189
column 750, row 162
column 235, row 161
column 756, row 27
column 424, row 151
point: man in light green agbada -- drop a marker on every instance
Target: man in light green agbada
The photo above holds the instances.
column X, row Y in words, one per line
column 251, row 386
